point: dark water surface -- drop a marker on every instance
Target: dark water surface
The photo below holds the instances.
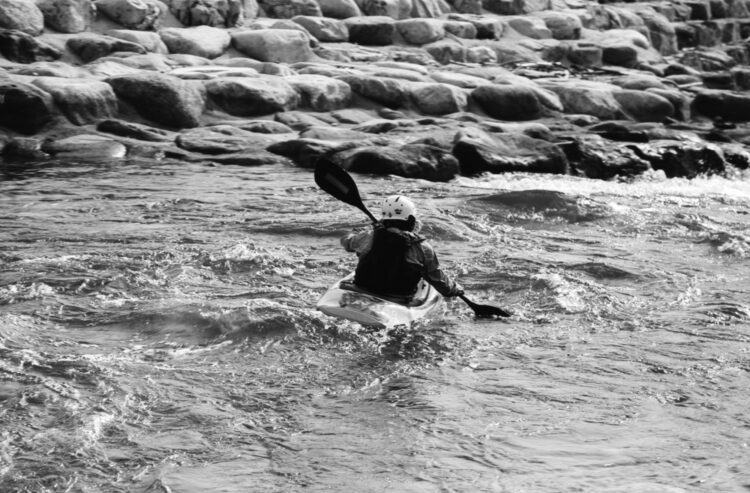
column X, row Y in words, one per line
column 158, row 333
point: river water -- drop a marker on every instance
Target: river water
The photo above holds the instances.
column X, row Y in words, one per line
column 158, row 333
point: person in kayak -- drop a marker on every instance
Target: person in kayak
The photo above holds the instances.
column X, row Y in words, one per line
column 393, row 257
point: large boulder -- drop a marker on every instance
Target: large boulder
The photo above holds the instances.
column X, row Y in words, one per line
column 18, row 46
column 24, row 108
column 22, row 15
column 371, row 30
column 661, row 31
column 151, row 41
column 286, row 9
column 339, row 9
column 420, row 31
column 388, row 92
column 726, row 105
column 214, row 13
column 508, row 102
column 531, row 26
column 244, row 96
column 320, row 93
column 410, row 161
column 595, row 157
column 562, row 24
column 160, row 98
column 304, row 152
column 88, row 46
column 587, row 98
column 203, row 41
column 477, row 152
column 396, row 9
column 323, row 28
column 67, row 16
column 438, row 99
column 141, row 15
column 273, row 45
column 82, row 101
column 644, row 106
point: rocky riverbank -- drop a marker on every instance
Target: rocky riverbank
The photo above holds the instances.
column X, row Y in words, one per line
column 420, row 88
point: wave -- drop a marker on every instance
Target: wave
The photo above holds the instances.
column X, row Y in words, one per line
column 549, row 203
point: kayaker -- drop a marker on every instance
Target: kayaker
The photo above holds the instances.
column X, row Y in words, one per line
column 393, row 257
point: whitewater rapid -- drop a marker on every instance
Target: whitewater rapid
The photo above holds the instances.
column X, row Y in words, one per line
column 158, row 333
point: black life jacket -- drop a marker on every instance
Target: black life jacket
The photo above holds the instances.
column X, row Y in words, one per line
column 384, row 270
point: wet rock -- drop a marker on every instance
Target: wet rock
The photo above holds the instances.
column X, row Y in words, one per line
column 705, row 59
column 133, row 130
column 530, row 129
column 514, row 7
column 141, row 15
column 594, row 157
column 213, row 13
column 461, row 29
column 459, row 80
column 320, row 93
column 351, row 116
column 212, row 72
column 82, row 101
column 286, row 9
column 273, row 45
column 395, row 9
column 24, row 108
column 161, row 98
column 21, row 15
column 438, row 99
column 683, row 159
column 371, row 30
column 242, row 96
column 18, row 46
column 151, row 41
column 88, row 47
column 263, row 126
column 729, row 106
column 562, row 24
column 203, row 41
column 661, row 30
column 222, row 139
column 644, row 106
column 339, row 9
column 332, row 134
column 410, row 161
column 23, row 149
column 323, row 29
column 396, row 73
column 506, row 102
column 67, row 16
column 429, row 8
column 420, row 31
column 51, row 69
column 303, row 152
column 86, row 148
column 585, row 55
column 388, row 92
column 586, row 97
column 300, row 120
column 530, row 26
column 680, row 101
column 477, row 152
column 487, row 27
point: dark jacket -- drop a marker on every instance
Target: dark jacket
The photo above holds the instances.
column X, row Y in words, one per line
column 392, row 261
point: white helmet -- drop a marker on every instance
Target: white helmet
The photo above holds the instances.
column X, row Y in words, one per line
column 398, row 207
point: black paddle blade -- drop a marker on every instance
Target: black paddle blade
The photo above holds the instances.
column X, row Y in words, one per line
column 485, row 311
column 337, row 182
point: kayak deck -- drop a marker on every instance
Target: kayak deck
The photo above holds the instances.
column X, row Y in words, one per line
column 345, row 300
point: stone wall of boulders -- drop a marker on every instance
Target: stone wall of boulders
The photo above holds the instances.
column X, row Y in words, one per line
column 420, row 88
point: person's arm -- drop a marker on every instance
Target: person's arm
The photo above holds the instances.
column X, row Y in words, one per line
column 432, row 273
column 357, row 242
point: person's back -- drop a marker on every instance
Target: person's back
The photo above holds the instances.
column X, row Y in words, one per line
column 393, row 258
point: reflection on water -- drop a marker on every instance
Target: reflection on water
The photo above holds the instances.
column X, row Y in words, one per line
column 157, row 333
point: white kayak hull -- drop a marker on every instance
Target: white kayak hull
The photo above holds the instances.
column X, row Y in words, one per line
column 344, row 300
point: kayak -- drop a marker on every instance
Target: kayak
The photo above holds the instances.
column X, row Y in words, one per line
column 345, row 300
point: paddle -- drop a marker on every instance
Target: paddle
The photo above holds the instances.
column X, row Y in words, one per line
column 337, row 182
